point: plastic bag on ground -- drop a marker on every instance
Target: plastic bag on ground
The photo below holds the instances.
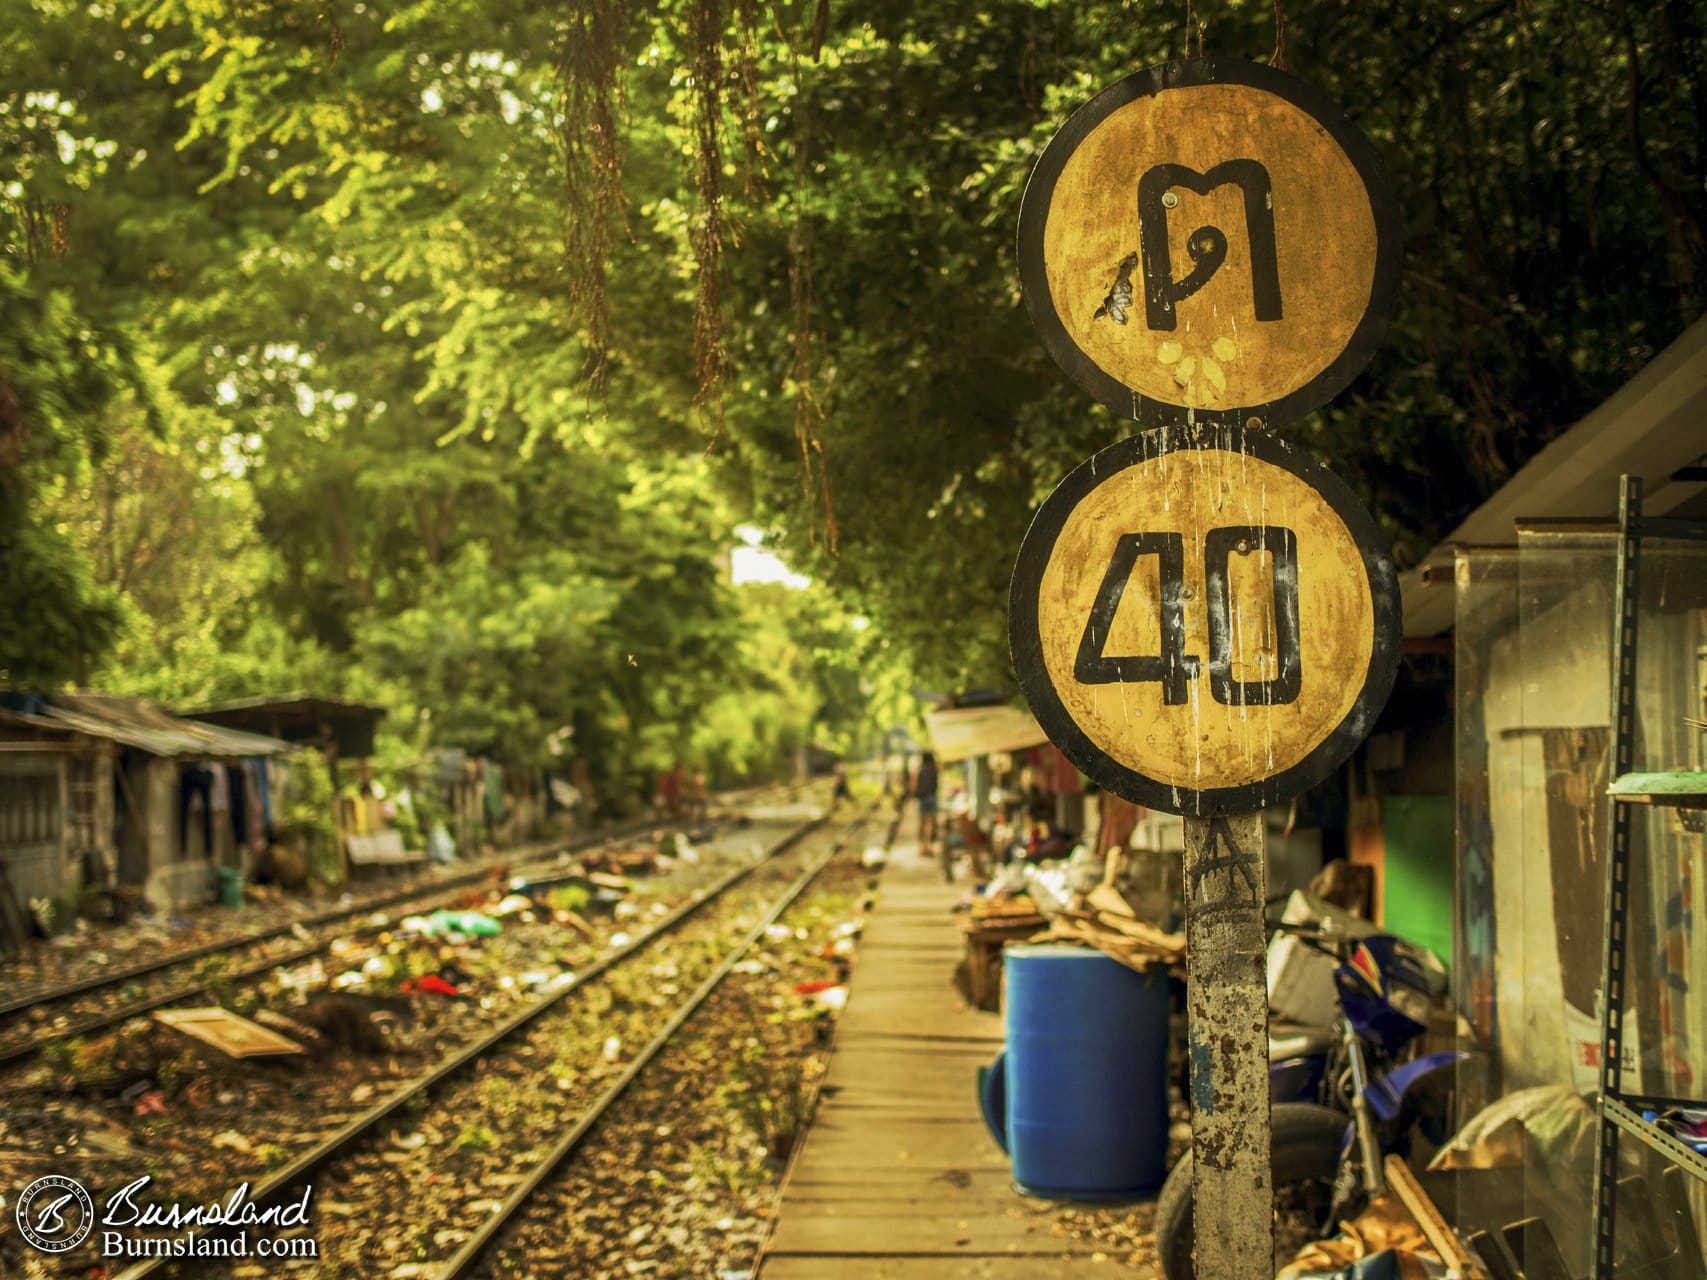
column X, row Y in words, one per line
column 440, row 846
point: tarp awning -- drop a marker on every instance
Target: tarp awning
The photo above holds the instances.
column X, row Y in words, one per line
column 977, row 731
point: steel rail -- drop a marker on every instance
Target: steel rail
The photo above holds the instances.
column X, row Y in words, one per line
column 426, row 892
column 418, row 889
column 464, row 1258
column 304, row 1166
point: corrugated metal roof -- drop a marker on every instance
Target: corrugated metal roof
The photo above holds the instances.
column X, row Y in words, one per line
column 329, row 723
column 136, row 722
column 303, row 703
column 1651, row 427
column 10, row 717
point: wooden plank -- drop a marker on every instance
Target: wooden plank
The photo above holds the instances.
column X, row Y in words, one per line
column 943, row 1150
column 923, row 1230
column 900, row 1088
column 898, row 1123
column 898, row 1176
column 871, row 1111
column 907, row 1000
column 949, row 1203
column 905, row 1006
column 920, row 1025
column 879, row 1073
column 1683, row 789
column 963, row 1267
column 900, row 1185
column 233, row 1035
column 875, row 1195
column 875, row 1052
column 975, row 1046
column 1441, row 1237
column 913, row 940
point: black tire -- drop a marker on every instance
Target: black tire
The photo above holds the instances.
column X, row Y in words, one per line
column 1305, row 1158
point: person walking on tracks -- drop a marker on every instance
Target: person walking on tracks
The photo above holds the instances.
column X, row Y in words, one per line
column 669, row 797
column 923, row 790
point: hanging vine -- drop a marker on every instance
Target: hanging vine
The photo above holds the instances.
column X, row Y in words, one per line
column 46, row 227
column 1193, row 26
column 754, row 172
column 591, row 90
column 705, row 38
column 808, row 409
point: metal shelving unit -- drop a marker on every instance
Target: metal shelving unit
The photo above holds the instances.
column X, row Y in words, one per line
column 1620, row 1113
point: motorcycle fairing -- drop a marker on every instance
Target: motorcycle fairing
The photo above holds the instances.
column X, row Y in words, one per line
column 1383, row 989
column 1386, row 1094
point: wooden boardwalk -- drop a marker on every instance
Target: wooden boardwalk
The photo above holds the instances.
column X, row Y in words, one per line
column 899, row 1178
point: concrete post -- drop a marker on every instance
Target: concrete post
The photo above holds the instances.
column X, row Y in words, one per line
column 1227, row 998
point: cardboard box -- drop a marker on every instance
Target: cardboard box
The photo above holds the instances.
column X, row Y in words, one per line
column 1301, row 978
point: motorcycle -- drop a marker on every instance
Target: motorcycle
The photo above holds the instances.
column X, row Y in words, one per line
column 1343, row 1096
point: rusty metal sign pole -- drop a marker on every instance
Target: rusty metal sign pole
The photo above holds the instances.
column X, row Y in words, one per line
column 1204, row 361
column 1227, row 1001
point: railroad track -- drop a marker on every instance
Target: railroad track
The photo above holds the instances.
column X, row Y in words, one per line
column 17, row 1011
column 348, row 1142
column 477, row 1251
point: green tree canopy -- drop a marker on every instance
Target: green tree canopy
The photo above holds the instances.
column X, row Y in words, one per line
column 476, row 328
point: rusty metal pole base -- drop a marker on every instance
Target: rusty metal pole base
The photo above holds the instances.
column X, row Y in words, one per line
column 1227, row 996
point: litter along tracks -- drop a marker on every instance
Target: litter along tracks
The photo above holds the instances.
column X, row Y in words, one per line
column 381, row 1201
column 500, row 1245
column 16, row 1047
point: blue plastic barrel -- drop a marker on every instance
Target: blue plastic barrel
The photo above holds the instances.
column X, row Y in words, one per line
column 1079, row 1097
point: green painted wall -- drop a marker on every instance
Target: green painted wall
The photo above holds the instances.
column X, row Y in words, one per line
column 1418, row 875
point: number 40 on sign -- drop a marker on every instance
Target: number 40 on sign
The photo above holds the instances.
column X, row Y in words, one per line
column 1204, row 619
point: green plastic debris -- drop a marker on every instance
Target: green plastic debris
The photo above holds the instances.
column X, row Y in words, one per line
column 472, row 924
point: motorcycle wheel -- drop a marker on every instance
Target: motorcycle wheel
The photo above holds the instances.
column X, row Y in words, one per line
column 1305, row 1158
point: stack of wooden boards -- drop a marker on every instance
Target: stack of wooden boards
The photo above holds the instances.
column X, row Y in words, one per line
column 990, row 925
column 1103, row 919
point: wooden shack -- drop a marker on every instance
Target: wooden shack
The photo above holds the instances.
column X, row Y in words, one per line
column 95, row 791
column 56, row 811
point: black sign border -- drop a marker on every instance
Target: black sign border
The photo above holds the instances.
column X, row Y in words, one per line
column 1026, row 644
column 1040, row 191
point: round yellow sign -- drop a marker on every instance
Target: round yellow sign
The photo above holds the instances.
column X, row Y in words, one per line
column 1209, row 239
column 1204, row 620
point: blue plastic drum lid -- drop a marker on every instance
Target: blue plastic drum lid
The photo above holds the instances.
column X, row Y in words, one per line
column 1086, row 1105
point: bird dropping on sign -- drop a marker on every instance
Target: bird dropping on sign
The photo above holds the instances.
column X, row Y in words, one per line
column 1204, row 619
column 1209, row 239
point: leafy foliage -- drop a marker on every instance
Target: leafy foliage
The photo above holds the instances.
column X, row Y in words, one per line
column 305, row 816
column 358, row 347
column 56, row 382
